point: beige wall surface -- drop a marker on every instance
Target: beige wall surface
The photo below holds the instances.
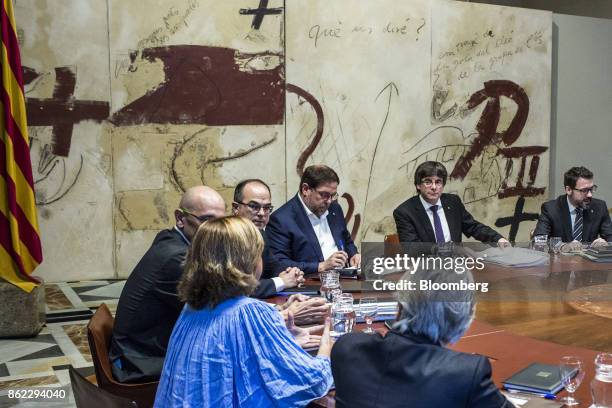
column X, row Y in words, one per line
column 582, row 128
column 400, row 83
column 130, row 103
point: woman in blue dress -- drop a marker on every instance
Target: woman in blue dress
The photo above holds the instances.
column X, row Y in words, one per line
column 229, row 350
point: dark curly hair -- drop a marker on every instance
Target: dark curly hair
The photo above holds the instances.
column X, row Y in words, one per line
column 221, row 262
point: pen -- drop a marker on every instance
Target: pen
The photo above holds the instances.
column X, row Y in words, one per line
column 536, row 394
column 341, row 247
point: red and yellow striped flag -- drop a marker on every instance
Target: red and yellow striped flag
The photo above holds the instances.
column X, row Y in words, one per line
column 20, row 249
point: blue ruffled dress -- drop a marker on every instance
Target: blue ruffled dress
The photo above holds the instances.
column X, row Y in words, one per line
column 239, row 354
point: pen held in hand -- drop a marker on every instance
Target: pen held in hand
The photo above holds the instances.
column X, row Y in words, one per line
column 340, row 246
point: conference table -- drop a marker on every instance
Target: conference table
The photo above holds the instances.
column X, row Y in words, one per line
column 534, row 314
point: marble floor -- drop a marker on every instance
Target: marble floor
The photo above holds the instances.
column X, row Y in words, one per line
column 43, row 360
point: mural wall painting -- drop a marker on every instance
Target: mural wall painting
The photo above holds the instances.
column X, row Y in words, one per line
column 200, row 85
column 64, row 50
column 61, row 112
column 464, row 84
column 127, row 113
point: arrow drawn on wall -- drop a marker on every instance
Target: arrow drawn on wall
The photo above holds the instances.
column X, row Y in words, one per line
column 390, row 88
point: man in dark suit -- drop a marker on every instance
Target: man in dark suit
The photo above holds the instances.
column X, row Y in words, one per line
column 253, row 200
column 309, row 231
column 435, row 217
column 148, row 306
column 411, row 366
column 576, row 215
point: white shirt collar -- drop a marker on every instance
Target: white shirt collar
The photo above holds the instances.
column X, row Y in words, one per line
column 427, row 205
column 310, row 213
column 182, row 235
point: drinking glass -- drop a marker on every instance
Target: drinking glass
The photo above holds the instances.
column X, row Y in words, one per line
column 601, row 386
column 540, row 243
column 368, row 307
column 335, row 292
column 555, row 244
column 342, row 297
column 572, row 374
column 330, row 284
column 343, row 315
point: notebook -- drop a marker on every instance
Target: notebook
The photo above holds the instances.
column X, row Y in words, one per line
column 537, row 377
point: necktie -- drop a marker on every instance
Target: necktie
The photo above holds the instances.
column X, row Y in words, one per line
column 577, row 234
column 437, row 225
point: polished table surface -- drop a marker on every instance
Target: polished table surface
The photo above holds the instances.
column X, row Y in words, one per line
column 568, row 302
column 536, row 314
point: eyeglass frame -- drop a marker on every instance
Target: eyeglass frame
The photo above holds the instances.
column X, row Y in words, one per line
column 202, row 218
column 325, row 195
column 429, row 182
column 268, row 208
column 586, row 190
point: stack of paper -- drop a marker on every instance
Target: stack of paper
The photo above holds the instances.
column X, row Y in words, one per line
column 514, row 256
column 386, row 311
column 598, row 254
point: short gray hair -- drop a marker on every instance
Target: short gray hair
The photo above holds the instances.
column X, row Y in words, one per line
column 440, row 316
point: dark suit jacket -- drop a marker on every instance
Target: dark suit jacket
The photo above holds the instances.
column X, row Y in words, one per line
column 271, row 269
column 147, row 310
column 413, row 223
column 293, row 241
column 400, row 370
column 149, row 306
column 555, row 221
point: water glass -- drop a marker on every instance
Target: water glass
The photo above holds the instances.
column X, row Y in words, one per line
column 572, row 374
column 343, row 315
column 342, row 298
column 330, row 284
column 601, row 386
column 368, row 308
column 540, row 243
column 555, row 244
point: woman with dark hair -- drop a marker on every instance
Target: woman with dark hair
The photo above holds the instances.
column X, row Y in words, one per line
column 229, row 350
column 411, row 366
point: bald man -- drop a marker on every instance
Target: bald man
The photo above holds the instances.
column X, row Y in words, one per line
column 149, row 306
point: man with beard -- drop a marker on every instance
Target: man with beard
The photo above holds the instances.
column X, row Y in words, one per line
column 576, row 216
column 309, row 231
column 434, row 217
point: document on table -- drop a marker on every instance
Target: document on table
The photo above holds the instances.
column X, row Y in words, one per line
column 517, row 257
column 530, row 401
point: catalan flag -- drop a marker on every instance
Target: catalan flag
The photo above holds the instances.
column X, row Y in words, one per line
column 20, row 249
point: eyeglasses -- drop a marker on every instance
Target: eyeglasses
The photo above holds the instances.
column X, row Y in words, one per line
column 586, row 190
column 201, row 218
column 429, row 182
column 327, row 196
column 255, row 207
